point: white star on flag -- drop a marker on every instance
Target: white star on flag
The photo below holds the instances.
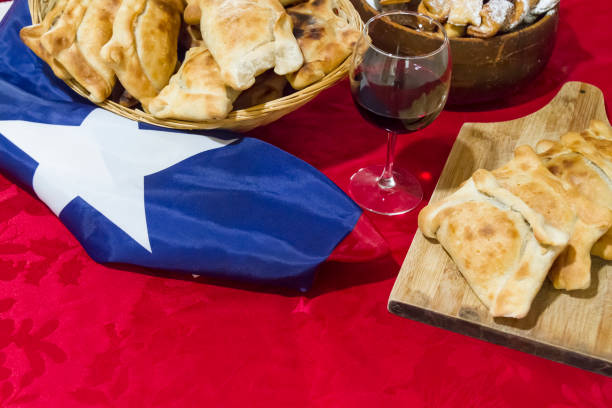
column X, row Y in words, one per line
column 103, row 161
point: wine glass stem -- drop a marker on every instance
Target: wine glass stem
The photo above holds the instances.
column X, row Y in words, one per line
column 386, row 179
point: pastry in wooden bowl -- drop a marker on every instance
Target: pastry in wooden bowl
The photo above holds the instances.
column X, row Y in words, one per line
column 485, row 69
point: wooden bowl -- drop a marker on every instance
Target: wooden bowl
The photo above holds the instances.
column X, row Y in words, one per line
column 493, row 68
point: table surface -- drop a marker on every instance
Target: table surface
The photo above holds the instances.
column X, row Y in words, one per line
column 75, row 333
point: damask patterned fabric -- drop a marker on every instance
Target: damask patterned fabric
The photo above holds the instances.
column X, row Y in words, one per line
column 75, row 334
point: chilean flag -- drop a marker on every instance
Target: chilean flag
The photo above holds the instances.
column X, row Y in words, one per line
column 215, row 204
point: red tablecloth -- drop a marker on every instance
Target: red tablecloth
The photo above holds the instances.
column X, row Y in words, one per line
column 74, row 333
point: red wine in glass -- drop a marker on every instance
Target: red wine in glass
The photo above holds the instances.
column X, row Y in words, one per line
column 403, row 107
column 399, row 82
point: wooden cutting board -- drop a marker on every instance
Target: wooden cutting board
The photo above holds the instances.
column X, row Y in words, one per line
column 570, row 327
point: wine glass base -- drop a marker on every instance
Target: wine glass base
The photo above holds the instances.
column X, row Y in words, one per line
column 399, row 199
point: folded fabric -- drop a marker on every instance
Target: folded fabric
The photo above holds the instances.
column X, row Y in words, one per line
column 213, row 204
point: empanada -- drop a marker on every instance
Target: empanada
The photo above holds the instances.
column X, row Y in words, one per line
column 31, row 35
column 572, row 269
column 584, row 160
column 196, row 92
column 248, row 37
column 325, row 38
column 69, row 39
column 192, row 12
column 504, row 230
column 143, row 48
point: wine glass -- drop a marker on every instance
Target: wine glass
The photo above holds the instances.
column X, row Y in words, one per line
column 400, row 78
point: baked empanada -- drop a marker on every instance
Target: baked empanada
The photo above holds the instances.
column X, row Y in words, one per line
column 248, row 37
column 196, row 92
column 584, row 160
column 143, row 48
column 504, row 230
column 572, row 269
column 325, row 38
column 31, row 37
column 69, row 39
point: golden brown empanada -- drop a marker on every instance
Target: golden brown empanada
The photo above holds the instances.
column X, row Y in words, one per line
column 592, row 200
column 584, row 160
column 70, row 38
column 248, row 37
column 143, row 48
column 192, row 12
column 504, row 230
column 325, row 39
column 572, row 269
column 31, row 37
column 196, row 92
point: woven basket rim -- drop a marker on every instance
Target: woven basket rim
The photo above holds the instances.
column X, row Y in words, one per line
column 241, row 119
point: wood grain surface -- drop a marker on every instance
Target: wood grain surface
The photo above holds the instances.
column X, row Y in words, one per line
column 570, row 327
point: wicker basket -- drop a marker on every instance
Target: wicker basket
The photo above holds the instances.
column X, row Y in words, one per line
column 239, row 120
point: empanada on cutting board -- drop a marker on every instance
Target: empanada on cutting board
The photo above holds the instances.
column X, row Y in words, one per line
column 504, row 230
column 571, row 327
column 591, row 195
